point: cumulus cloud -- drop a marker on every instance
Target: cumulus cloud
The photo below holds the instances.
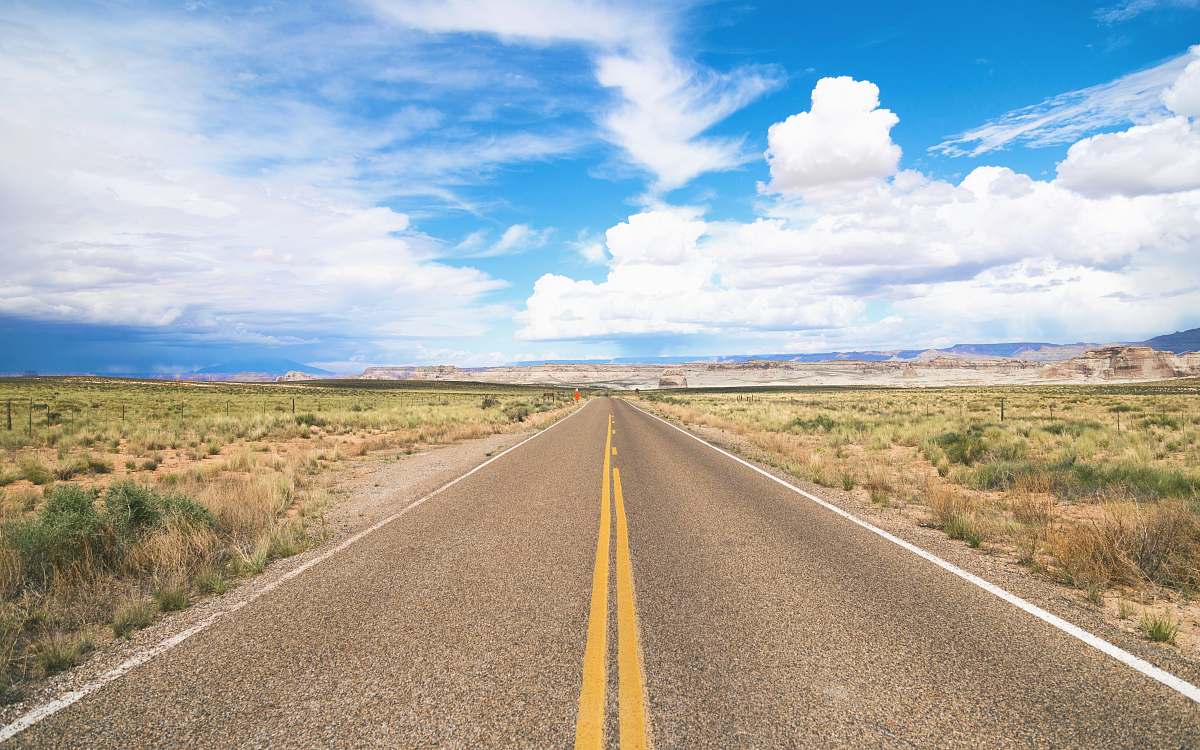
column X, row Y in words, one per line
column 1163, row 157
column 844, row 138
column 667, row 103
column 1103, row 250
column 1183, row 96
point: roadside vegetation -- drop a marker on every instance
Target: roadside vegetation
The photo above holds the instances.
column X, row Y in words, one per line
column 122, row 500
column 1097, row 487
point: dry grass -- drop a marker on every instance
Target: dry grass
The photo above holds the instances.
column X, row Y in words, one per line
column 130, row 499
column 1055, row 484
column 1133, row 545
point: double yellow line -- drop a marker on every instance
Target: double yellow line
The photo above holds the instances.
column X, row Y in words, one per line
column 631, row 692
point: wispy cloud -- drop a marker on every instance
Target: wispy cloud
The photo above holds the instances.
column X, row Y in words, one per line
column 517, row 238
column 161, row 172
column 667, row 103
column 1066, row 118
column 1131, row 8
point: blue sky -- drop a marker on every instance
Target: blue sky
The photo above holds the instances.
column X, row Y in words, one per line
column 478, row 182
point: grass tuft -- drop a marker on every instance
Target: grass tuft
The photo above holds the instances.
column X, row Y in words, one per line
column 1160, row 627
column 133, row 615
column 57, row 652
column 171, row 598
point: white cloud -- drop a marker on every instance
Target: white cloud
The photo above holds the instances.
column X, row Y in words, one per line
column 124, row 198
column 844, row 138
column 1131, row 8
column 599, row 23
column 667, row 103
column 1163, row 157
column 1065, row 118
column 907, row 260
column 517, row 238
column 1183, row 96
column 589, row 247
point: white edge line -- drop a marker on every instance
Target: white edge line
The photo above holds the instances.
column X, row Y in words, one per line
column 1179, row 685
column 53, row 706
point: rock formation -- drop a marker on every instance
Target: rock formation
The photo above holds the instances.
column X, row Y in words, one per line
column 672, row 379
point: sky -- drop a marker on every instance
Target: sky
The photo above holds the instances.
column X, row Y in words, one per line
column 477, row 182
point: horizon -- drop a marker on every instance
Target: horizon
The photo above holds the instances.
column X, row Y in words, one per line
column 479, row 183
column 279, row 366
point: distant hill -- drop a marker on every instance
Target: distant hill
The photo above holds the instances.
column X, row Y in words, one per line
column 264, row 365
column 1178, row 342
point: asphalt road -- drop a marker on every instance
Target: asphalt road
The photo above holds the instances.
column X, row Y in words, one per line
column 680, row 601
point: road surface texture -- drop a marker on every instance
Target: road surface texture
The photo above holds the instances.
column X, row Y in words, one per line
column 678, row 600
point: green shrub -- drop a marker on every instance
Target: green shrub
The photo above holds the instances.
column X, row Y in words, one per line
column 517, row 411
column 489, row 402
column 964, row 447
column 822, row 422
column 310, row 420
column 34, row 470
column 133, row 508
column 69, row 469
column 9, row 475
column 1163, row 421
column 1139, row 480
column 1074, row 427
column 999, row 475
column 66, row 530
column 96, row 465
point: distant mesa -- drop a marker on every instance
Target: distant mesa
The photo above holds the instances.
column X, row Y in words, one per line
column 1127, row 363
column 432, row 372
column 1015, row 363
column 1169, row 356
column 672, row 379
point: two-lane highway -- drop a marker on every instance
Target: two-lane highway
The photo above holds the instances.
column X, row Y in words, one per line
column 614, row 582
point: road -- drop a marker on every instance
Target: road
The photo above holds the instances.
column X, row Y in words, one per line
column 625, row 586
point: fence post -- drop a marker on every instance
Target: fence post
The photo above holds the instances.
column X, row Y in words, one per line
column 10, row 415
column 293, row 405
column 30, row 417
column 1001, row 410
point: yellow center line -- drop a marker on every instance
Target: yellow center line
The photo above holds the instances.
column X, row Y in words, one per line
column 631, row 690
column 589, row 725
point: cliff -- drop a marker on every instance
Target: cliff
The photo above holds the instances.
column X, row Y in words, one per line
column 1125, row 363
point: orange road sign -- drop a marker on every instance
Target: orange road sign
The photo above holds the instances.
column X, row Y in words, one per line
column 577, row 396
